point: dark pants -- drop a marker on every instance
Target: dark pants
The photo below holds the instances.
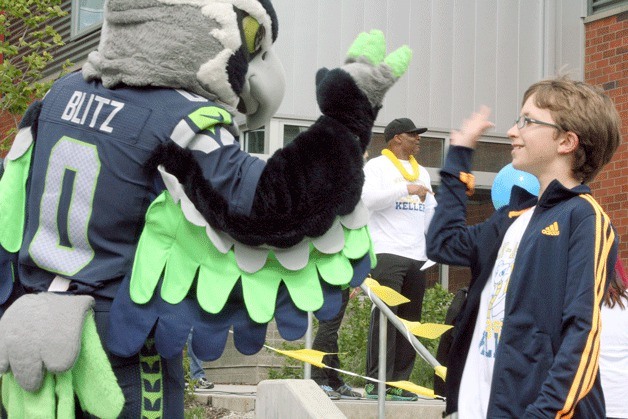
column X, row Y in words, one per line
column 404, row 276
column 326, row 340
column 148, row 385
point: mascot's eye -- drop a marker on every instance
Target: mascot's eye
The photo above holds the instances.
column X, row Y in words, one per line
column 253, row 34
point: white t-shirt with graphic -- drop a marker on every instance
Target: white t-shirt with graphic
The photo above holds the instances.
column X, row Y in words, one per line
column 475, row 386
column 398, row 221
column 614, row 360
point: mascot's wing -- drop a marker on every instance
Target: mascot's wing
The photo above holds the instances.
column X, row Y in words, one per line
column 181, row 258
column 302, row 241
column 13, row 204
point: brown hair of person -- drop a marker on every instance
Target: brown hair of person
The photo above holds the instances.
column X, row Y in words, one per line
column 588, row 112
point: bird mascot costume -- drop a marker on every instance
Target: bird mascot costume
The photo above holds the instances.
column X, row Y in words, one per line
column 130, row 215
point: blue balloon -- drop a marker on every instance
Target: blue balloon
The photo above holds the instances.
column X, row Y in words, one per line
column 508, row 177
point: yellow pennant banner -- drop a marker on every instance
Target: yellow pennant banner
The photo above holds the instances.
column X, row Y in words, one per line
column 310, row 356
column 425, row 330
column 388, row 295
column 441, row 371
column 413, row 388
column 315, row 358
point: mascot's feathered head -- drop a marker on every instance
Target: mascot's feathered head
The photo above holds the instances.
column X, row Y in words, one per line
column 218, row 49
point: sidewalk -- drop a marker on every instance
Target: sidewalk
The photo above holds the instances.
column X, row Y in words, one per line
column 240, row 399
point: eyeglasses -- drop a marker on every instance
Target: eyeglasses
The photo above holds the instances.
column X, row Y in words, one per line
column 523, row 120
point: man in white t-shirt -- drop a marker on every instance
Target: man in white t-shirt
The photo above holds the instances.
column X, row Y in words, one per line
column 398, row 193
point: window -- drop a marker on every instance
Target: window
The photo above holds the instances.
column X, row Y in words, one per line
column 290, row 132
column 596, row 6
column 276, row 134
column 491, row 157
column 430, row 155
column 253, row 141
column 87, row 15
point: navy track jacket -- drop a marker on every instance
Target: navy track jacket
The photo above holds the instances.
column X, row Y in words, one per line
column 546, row 363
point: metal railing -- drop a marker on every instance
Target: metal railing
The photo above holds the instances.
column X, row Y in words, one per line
column 385, row 315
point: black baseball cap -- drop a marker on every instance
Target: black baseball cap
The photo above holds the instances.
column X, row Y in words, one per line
column 401, row 126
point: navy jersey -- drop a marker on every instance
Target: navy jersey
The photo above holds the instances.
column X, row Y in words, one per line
column 88, row 187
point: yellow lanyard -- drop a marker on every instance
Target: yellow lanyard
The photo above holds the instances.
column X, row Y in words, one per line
column 395, row 161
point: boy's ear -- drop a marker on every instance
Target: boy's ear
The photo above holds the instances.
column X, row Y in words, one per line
column 568, row 142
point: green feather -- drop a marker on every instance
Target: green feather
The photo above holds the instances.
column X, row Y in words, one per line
column 171, row 245
column 399, row 60
column 13, row 201
column 370, row 45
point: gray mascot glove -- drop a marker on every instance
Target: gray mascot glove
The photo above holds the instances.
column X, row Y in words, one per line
column 353, row 93
column 50, row 351
column 371, row 69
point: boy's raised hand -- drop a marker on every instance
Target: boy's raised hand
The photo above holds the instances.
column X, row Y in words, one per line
column 472, row 128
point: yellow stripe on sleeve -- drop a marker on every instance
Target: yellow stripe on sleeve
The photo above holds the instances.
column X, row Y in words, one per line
column 588, row 366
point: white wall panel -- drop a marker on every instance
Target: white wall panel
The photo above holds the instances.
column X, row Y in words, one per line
column 569, row 30
column 285, row 49
column 466, row 52
column 485, row 76
column 419, row 73
column 531, row 43
column 399, row 30
column 352, row 22
column 507, row 91
column 329, row 22
column 375, row 14
column 441, row 64
column 306, row 47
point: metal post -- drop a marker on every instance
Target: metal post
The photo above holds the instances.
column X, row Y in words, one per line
column 381, row 368
column 307, row 367
column 418, row 346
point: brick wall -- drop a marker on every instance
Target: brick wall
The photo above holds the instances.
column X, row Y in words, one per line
column 606, row 65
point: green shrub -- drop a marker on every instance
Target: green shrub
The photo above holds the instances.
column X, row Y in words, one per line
column 188, row 395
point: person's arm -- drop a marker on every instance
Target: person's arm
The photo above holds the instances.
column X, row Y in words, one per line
column 449, row 239
column 430, row 209
column 592, row 253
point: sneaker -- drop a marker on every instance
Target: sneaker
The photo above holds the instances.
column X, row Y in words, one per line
column 392, row 393
column 399, row 394
column 331, row 393
column 203, row 384
column 346, row 392
column 370, row 390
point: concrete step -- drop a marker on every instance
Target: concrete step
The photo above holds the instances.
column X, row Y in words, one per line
column 285, row 398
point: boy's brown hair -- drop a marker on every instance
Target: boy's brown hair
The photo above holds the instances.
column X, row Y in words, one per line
column 586, row 111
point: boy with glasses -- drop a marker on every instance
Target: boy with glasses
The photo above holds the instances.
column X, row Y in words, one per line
column 527, row 341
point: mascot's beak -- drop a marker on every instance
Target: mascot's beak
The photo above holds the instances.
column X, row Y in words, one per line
column 263, row 90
